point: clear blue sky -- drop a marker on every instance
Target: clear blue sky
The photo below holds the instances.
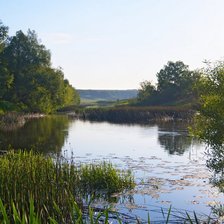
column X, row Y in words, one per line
column 116, row 44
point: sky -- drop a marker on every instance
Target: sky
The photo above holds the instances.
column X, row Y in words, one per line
column 116, row 44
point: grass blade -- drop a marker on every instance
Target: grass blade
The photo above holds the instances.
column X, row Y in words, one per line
column 189, row 218
column 196, row 218
column 4, row 214
column 15, row 214
column 168, row 215
column 149, row 219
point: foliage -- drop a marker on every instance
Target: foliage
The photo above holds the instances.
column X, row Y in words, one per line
column 53, row 185
column 175, row 85
column 146, row 91
column 3, row 36
column 175, row 81
column 210, row 119
column 27, row 78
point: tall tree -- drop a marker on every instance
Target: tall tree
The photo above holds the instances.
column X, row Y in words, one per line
column 27, row 78
column 173, row 78
column 175, row 82
column 22, row 54
column 24, row 51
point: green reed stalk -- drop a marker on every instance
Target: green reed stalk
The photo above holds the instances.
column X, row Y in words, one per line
column 53, row 186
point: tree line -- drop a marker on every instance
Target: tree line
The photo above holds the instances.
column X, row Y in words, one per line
column 28, row 82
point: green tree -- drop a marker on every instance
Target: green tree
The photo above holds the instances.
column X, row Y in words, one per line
column 22, row 54
column 24, row 51
column 175, row 85
column 210, row 120
column 6, row 78
column 3, row 36
column 45, row 90
column 71, row 96
column 175, row 82
column 146, row 91
column 27, row 78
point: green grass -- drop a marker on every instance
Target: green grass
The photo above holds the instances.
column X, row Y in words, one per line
column 35, row 189
column 93, row 217
column 54, row 185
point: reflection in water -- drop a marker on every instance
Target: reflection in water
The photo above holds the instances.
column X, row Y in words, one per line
column 216, row 164
column 45, row 135
column 173, row 137
column 162, row 178
column 48, row 134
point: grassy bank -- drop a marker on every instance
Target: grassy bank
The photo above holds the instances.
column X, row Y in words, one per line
column 53, row 185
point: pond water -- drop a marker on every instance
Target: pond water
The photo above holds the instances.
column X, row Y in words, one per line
column 168, row 165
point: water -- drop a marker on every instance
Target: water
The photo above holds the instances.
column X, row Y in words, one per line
column 169, row 166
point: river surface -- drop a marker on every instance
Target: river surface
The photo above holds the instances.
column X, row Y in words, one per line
column 168, row 165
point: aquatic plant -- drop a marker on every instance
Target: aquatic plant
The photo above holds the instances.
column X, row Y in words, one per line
column 54, row 185
column 92, row 216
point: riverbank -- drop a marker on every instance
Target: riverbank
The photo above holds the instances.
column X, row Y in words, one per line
column 135, row 114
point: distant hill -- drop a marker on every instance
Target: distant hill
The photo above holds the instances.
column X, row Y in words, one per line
column 106, row 95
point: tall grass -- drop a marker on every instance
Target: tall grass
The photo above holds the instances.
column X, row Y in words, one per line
column 54, row 185
column 128, row 114
column 92, row 217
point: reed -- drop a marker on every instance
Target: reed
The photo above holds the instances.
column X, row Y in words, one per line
column 54, row 185
column 95, row 217
column 128, row 114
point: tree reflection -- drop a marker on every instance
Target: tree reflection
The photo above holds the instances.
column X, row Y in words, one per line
column 215, row 163
column 45, row 135
column 173, row 137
